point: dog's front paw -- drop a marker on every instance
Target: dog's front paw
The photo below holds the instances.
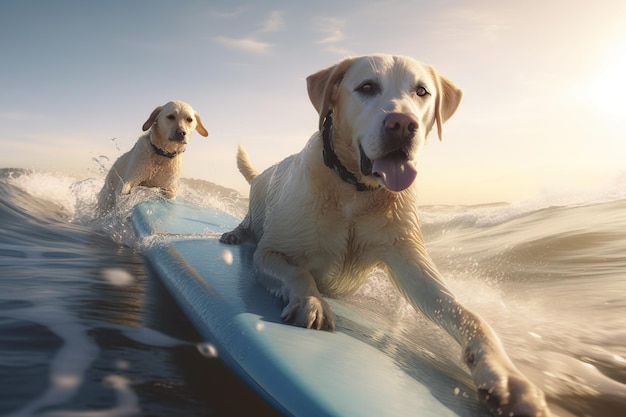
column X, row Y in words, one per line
column 508, row 393
column 168, row 194
column 311, row 312
column 237, row 236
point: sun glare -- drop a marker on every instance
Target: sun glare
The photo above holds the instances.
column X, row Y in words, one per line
column 607, row 89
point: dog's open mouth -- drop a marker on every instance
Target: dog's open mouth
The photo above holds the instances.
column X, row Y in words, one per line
column 395, row 169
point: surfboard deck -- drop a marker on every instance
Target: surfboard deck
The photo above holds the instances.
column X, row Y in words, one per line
column 300, row 372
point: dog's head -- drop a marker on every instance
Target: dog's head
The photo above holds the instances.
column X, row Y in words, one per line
column 172, row 125
column 383, row 108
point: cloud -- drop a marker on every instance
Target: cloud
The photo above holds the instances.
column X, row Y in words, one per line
column 245, row 44
column 227, row 15
column 331, row 29
column 275, row 22
column 332, row 34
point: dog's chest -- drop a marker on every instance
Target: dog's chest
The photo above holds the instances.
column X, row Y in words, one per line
column 349, row 211
column 355, row 226
column 163, row 172
column 349, row 239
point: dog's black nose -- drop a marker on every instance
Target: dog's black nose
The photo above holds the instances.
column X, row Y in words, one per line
column 180, row 132
column 400, row 126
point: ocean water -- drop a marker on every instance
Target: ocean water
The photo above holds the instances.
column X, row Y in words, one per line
column 86, row 329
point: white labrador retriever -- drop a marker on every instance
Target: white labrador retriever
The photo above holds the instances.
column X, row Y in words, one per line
column 322, row 219
column 155, row 159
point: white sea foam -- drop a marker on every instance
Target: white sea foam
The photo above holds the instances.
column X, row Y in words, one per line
column 55, row 188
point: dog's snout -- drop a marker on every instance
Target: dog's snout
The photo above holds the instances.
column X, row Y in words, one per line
column 400, row 126
column 180, row 132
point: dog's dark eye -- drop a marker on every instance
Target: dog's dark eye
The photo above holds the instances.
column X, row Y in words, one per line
column 421, row 91
column 189, row 120
column 171, row 116
column 369, row 88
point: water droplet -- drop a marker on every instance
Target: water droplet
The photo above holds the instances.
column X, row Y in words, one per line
column 207, row 350
column 66, row 380
column 227, row 257
column 117, row 276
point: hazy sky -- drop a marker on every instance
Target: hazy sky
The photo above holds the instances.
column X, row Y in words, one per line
column 544, row 84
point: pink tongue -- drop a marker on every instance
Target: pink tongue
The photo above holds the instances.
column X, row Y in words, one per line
column 397, row 173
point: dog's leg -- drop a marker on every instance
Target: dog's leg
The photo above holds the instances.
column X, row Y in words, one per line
column 297, row 287
column 501, row 386
column 131, row 170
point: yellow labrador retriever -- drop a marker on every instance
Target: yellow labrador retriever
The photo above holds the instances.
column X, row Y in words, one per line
column 155, row 159
column 322, row 219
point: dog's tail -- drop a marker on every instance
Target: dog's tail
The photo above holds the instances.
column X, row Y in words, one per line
column 243, row 163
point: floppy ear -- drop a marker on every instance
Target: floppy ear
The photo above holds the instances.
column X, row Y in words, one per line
column 152, row 118
column 448, row 99
column 322, row 87
column 200, row 127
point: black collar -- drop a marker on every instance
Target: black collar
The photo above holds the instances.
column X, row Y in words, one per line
column 160, row 151
column 332, row 161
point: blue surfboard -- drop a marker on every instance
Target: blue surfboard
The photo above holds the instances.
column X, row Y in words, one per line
column 298, row 371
